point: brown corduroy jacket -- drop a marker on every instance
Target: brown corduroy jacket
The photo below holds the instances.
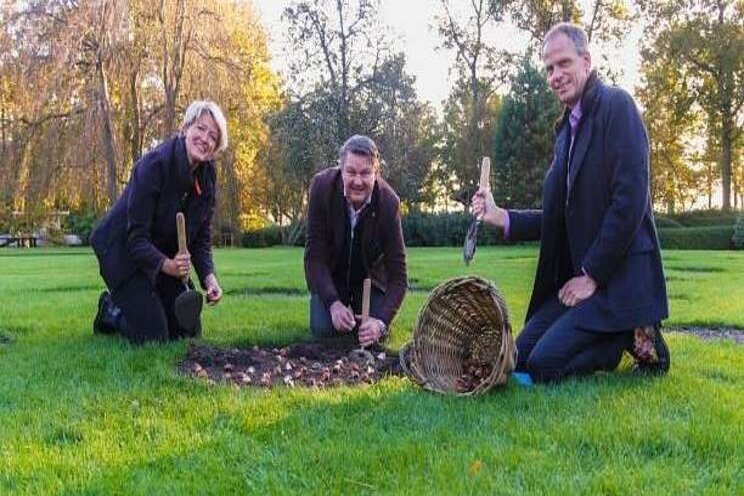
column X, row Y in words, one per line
column 328, row 238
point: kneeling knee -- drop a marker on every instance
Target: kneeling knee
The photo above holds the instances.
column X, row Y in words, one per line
column 542, row 369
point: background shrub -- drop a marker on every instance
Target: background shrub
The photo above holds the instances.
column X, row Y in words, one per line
column 445, row 229
column 711, row 230
column 270, row 236
column 696, row 238
column 81, row 223
column 696, row 218
column 665, row 221
column 737, row 240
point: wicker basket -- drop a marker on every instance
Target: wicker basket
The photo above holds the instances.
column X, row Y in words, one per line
column 465, row 320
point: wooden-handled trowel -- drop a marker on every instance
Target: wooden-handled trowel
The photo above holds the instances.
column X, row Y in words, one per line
column 471, row 238
column 188, row 304
column 360, row 353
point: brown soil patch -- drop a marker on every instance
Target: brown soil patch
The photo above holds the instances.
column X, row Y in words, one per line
column 311, row 364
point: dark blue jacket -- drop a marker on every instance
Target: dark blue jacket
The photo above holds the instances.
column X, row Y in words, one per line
column 607, row 215
column 139, row 232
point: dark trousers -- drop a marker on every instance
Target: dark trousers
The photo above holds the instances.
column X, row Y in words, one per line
column 552, row 347
column 321, row 325
column 147, row 310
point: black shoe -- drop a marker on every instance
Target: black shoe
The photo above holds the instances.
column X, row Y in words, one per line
column 105, row 322
column 651, row 351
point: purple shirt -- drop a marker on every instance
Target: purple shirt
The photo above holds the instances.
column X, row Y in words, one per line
column 573, row 120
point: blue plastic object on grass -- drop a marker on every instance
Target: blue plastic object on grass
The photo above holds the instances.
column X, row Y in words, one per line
column 523, row 379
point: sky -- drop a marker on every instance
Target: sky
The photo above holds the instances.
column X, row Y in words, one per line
column 412, row 27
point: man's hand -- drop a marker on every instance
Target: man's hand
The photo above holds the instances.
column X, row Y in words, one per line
column 577, row 290
column 485, row 208
column 370, row 331
column 178, row 266
column 342, row 317
column 214, row 291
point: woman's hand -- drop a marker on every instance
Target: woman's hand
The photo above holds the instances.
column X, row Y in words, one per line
column 178, row 266
column 214, row 291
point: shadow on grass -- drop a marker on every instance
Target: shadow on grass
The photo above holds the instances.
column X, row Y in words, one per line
column 695, row 268
column 9, row 333
column 245, row 274
column 415, row 286
column 267, row 291
column 70, row 288
column 679, row 296
column 43, row 252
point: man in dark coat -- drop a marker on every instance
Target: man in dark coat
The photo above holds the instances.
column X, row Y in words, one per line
column 136, row 242
column 354, row 232
column 599, row 287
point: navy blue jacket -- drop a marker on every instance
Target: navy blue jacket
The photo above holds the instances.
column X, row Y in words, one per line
column 607, row 214
column 139, row 231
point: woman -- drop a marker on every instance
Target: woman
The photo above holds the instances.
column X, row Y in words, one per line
column 136, row 242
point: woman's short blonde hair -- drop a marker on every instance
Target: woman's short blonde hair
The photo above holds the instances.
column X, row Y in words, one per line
column 198, row 108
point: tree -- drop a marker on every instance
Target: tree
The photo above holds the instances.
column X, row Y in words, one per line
column 345, row 80
column 606, row 22
column 671, row 121
column 459, row 171
column 705, row 38
column 469, row 111
column 340, row 48
column 86, row 86
column 404, row 128
column 523, row 142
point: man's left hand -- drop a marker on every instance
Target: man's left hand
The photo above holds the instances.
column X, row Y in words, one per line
column 577, row 290
column 370, row 331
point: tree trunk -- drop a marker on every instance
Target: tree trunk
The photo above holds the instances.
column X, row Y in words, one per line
column 135, row 136
column 231, row 190
column 725, row 163
column 2, row 125
column 104, row 107
column 173, row 63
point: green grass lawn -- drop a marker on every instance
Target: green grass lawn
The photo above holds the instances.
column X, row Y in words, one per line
column 81, row 414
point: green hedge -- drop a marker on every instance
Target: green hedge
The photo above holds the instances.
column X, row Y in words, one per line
column 696, row 238
column 449, row 230
column 267, row 236
column 418, row 230
column 737, row 240
column 444, row 230
column 82, row 223
column 699, row 218
column 666, row 221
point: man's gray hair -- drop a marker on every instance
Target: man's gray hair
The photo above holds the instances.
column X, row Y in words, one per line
column 360, row 145
column 574, row 32
column 198, row 108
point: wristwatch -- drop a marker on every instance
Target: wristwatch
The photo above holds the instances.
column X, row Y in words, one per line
column 383, row 328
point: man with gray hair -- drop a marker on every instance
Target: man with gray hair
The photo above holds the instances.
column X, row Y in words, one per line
column 353, row 233
column 599, row 287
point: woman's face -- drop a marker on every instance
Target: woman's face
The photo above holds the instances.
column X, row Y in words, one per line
column 202, row 138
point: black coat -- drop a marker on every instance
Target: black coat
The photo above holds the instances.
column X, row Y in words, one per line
column 139, row 232
column 607, row 214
